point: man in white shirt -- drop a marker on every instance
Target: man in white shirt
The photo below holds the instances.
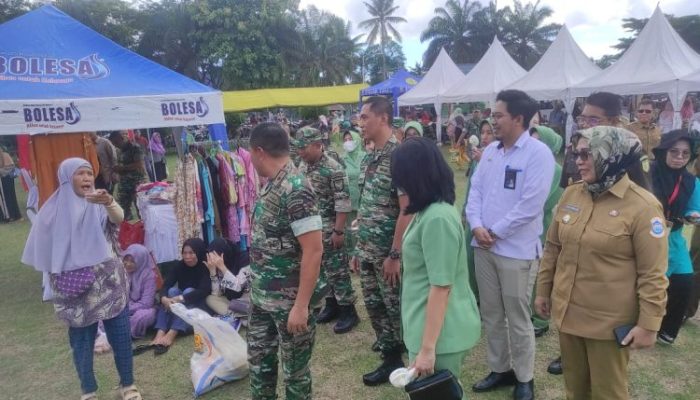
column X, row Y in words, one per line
column 504, row 209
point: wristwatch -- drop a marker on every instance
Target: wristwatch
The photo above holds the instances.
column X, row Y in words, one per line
column 394, row 254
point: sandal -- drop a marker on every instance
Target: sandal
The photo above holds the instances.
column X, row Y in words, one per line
column 160, row 349
column 140, row 349
column 89, row 396
column 130, row 393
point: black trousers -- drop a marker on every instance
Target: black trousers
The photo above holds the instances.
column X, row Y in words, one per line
column 679, row 290
column 10, row 199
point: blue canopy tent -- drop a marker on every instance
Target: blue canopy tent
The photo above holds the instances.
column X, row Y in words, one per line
column 57, row 76
column 401, row 82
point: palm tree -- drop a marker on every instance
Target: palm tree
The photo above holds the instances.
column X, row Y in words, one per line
column 527, row 38
column 451, row 28
column 381, row 25
column 487, row 23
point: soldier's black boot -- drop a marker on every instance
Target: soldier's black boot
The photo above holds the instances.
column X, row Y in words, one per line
column 329, row 312
column 347, row 320
column 392, row 361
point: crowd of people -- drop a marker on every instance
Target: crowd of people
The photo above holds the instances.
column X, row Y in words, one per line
column 594, row 245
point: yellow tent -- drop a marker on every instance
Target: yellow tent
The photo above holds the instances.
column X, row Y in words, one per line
column 244, row 100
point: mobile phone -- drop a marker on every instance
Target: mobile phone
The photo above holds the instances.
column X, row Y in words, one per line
column 621, row 333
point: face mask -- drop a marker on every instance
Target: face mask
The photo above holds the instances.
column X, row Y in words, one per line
column 349, row 146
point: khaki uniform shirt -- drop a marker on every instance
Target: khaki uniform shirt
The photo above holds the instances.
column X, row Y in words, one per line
column 605, row 261
column 649, row 135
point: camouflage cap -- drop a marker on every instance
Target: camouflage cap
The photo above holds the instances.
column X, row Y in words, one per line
column 398, row 122
column 308, row 135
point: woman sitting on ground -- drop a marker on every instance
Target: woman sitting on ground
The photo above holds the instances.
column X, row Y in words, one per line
column 141, row 269
column 72, row 240
column 188, row 283
column 228, row 279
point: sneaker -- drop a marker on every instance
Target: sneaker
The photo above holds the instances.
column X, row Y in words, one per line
column 665, row 338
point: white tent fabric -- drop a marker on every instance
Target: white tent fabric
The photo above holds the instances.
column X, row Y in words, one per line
column 689, row 83
column 654, row 63
column 430, row 90
column 562, row 66
column 490, row 75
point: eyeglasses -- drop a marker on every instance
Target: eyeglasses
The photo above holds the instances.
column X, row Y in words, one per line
column 588, row 121
column 583, row 154
column 675, row 153
column 646, row 111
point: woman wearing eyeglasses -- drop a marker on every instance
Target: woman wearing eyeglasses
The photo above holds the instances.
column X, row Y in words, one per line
column 604, row 265
column 679, row 193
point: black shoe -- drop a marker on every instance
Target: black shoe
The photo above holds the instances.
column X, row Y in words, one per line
column 392, row 361
column 495, row 380
column 375, row 347
column 665, row 338
column 539, row 332
column 329, row 312
column 524, row 391
column 347, row 320
column 555, row 367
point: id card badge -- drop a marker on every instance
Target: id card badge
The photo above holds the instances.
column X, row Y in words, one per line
column 511, row 178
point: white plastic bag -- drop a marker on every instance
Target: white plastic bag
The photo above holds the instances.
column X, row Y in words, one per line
column 220, row 353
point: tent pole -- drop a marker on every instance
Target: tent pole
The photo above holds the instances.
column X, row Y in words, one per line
column 153, row 165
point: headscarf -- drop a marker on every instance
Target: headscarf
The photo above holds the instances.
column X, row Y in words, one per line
column 355, row 157
column 665, row 179
column 614, row 150
column 549, row 137
column 156, row 144
column 67, row 233
column 224, row 248
column 415, row 125
column 199, row 248
column 145, row 270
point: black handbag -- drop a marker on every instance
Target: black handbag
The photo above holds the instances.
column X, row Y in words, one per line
column 442, row 385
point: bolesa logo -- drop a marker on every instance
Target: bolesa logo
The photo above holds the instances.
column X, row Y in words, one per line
column 36, row 114
column 89, row 67
column 175, row 108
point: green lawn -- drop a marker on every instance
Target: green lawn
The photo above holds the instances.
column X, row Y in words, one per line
column 35, row 359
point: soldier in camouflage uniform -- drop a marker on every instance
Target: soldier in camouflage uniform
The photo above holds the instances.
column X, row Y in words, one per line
column 330, row 183
column 285, row 253
column 131, row 170
column 381, row 228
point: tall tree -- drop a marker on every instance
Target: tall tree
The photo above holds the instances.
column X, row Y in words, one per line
column 381, row 26
column 488, row 23
column 392, row 58
column 451, row 28
column 418, row 69
column 115, row 19
column 10, row 9
column 688, row 27
column 528, row 38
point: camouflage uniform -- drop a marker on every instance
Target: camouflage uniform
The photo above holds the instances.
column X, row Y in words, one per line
column 377, row 215
column 330, row 183
column 129, row 181
column 286, row 209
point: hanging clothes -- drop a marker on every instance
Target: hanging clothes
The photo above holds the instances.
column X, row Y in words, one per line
column 48, row 151
column 187, row 200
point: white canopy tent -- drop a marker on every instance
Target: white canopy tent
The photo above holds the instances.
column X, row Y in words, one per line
column 432, row 88
column 490, row 75
column 562, row 66
column 654, row 63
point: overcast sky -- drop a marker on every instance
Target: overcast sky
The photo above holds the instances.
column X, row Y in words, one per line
column 595, row 24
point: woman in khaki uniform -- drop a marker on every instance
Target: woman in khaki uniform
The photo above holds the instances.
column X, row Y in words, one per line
column 604, row 265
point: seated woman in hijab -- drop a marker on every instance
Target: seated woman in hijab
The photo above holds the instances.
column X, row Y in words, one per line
column 188, row 283
column 72, row 240
column 142, row 289
column 228, row 277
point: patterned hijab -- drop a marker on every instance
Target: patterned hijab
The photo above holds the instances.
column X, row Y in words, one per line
column 614, row 151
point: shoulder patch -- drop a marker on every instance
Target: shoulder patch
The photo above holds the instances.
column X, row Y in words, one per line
column 658, row 228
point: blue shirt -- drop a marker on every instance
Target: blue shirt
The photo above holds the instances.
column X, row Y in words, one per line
column 507, row 195
column 678, row 256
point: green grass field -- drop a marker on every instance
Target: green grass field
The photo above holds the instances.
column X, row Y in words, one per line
column 35, row 359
